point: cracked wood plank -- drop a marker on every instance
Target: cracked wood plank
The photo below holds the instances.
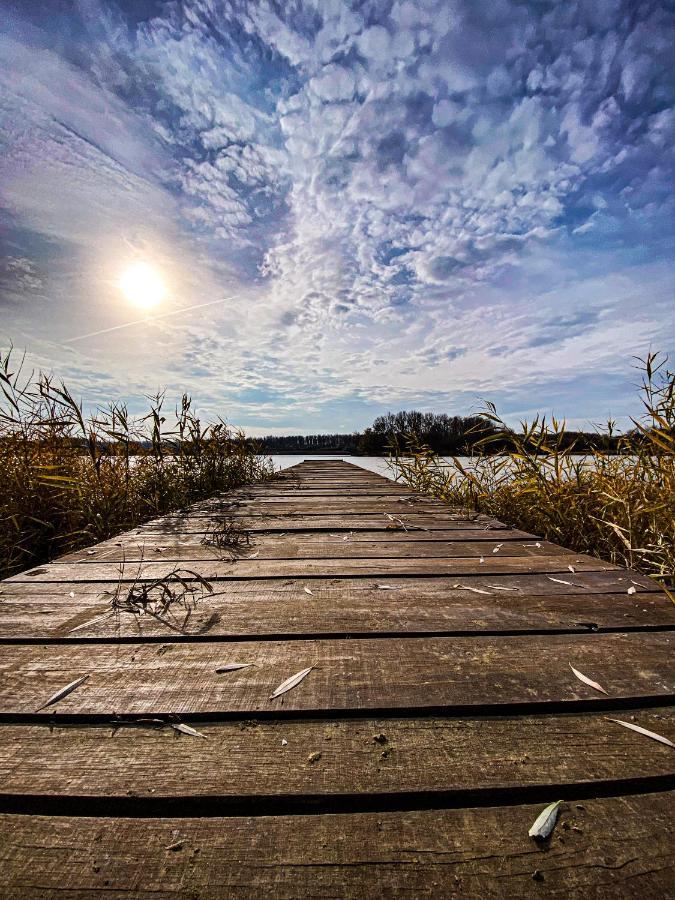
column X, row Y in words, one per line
column 406, row 673
column 613, row 847
column 297, row 547
column 373, row 757
column 243, row 568
column 347, row 607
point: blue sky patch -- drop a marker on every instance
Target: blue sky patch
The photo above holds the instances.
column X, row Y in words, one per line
column 353, row 206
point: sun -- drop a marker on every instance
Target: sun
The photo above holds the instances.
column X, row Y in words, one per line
column 142, row 285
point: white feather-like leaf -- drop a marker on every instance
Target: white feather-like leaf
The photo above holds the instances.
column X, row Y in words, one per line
column 586, row 680
column 186, row 729
column 545, row 822
column 232, row 667
column 291, row 682
column 650, row 734
column 465, row 587
column 59, row 695
column 307, row 591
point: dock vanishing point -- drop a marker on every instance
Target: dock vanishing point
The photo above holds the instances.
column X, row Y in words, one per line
column 440, row 714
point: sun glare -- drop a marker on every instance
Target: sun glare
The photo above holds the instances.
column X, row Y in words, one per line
column 142, row 285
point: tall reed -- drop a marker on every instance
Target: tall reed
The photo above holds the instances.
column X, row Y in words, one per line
column 68, row 479
column 619, row 508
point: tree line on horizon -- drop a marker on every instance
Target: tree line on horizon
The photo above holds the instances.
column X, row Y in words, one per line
column 444, row 434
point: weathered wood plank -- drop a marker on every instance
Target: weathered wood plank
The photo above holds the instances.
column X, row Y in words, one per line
column 311, row 541
column 297, row 502
column 332, row 484
column 612, row 847
column 330, row 610
column 329, row 506
column 248, row 568
column 304, row 494
column 296, row 547
column 306, row 489
column 585, row 584
column 437, row 673
column 371, row 756
column 185, row 523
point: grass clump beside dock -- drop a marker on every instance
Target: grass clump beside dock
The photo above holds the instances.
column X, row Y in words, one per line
column 69, row 480
column 619, row 508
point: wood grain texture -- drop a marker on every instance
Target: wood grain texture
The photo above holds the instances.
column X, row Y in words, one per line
column 464, row 674
column 372, row 756
column 255, row 568
column 320, row 521
column 295, row 547
column 297, row 502
column 614, row 847
column 348, row 607
column 579, row 585
column 296, row 543
column 358, row 613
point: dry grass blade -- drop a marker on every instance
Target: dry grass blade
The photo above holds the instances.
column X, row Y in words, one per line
column 614, row 500
column 63, row 692
column 180, row 588
column 586, row 680
column 291, row 682
column 70, row 480
column 645, row 731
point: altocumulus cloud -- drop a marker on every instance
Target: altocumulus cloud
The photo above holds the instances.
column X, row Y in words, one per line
column 409, row 202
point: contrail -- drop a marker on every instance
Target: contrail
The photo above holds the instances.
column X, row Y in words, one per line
column 173, row 312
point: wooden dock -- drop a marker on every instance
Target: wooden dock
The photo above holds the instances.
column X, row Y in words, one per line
column 439, row 717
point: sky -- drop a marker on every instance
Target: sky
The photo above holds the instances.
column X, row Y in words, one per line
column 354, row 207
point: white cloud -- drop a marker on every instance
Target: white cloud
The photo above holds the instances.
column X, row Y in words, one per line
column 389, row 183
